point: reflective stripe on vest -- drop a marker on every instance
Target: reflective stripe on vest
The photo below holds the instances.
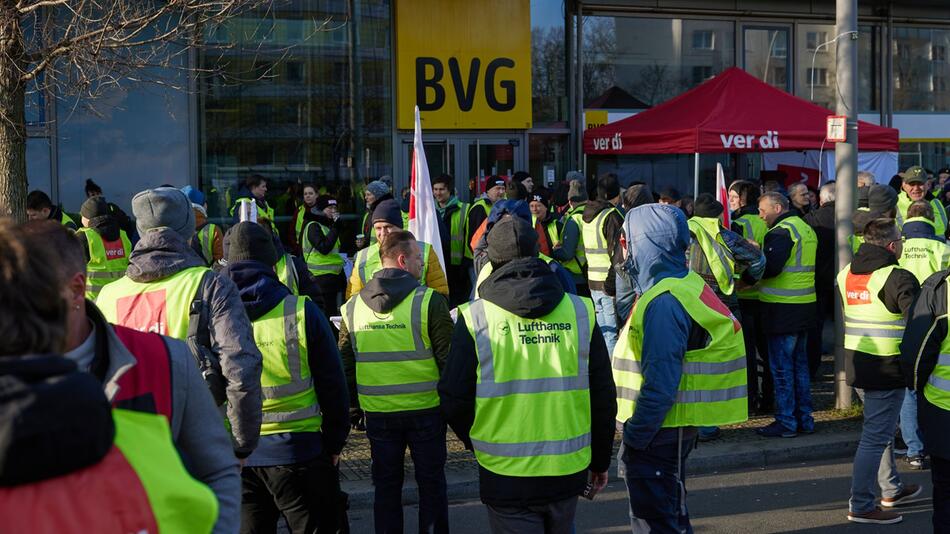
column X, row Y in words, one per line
column 718, row 257
column 486, row 205
column 320, row 264
column 595, row 247
column 287, row 273
column 869, row 326
column 107, row 260
column 796, row 283
column 206, row 242
column 924, row 257
column 162, row 306
column 290, row 402
column 368, row 262
column 179, row 503
column 395, row 371
column 754, row 228
column 457, row 224
column 713, row 389
column 532, row 409
column 576, row 264
column 940, row 214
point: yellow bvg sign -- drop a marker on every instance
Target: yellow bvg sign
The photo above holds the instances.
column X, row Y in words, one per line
column 467, row 65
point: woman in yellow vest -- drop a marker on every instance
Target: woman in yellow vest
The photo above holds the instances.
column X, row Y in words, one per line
column 106, row 246
column 668, row 383
column 320, row 242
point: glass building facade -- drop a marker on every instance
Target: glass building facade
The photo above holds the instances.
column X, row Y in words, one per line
column 305, row 93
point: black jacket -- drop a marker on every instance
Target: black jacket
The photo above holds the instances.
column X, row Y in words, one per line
column 612, row 230
column 54, row 419
column 920, row 348
column 527, row 288
column 782, row 318
column 322, row 243
column 822, row 221
column 869, row 371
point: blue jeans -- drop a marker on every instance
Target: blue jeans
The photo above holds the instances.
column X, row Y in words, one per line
column 425, row 437
column 909, row 430
column 656, row 486
column 874, row 460
column 606, row 312
column 788, row 359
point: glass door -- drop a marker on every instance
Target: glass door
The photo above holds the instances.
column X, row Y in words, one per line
column 489, row 157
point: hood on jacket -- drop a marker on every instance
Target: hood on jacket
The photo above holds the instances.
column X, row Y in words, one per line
column 387, row 289
column 107, row 227
column 525, row 287
column 870, row 258
column 593, row 208
column 54, row 419
column 919, row 230
column 258, row 285
column 160, row 253
column 657, row 239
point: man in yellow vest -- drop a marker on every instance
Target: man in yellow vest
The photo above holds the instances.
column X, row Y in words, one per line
column 876, row 295
column 787, row 296
column 495, row 187
column 679, row 364
column 394, row 339
column 914, row 187
column 926, row 369
column 254, row 188
column 39, row 207
column 305, row 418
column 387, row 219
column 453, row 216
column 527, row 387
column 107, row 247
column 602, row 227
column 569, row 250
column 169, row 290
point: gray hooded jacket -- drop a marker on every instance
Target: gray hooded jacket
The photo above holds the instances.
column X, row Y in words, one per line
column 224, row 328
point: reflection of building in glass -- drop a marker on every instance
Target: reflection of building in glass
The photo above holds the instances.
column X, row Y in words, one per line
column 313, row 98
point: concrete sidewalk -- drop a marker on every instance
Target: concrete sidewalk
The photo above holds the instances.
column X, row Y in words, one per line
column 740, row 449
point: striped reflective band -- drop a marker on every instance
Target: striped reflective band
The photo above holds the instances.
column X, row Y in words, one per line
column 692, row 368
column 798, row 249
column 899, row 322
column 533, row 448
column 779, row 292
column 105, row 275
column 600, row 246
column 941, row 213
column 796, row 269
column 488, row 387
column 316, row 267
column 746, row 225
column 713, row 395
column 944, row 359
column 397, row 389
column 297, row 383
column 282, row 417
column 720, row 252
column 598, row 269
column 361, row 263
column 872, row 332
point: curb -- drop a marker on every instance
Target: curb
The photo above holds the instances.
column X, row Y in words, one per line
column 706, row 459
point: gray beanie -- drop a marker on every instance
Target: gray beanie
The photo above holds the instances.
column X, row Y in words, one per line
column 881, row 198
column 163, row 207
column 251, row 241
column 378, row 188
column 511, row 238
column 577, row 191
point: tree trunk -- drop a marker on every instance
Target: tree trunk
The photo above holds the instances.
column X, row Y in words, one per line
column 13, row 183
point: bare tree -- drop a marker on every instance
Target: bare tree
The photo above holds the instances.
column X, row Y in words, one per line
column 84, row 48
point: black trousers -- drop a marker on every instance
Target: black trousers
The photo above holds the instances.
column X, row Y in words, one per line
column 940, row 476
column 760, row 383
column 306, row 494
column 823, row 310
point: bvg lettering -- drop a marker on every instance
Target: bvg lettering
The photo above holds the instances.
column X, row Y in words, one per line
column 430, row 71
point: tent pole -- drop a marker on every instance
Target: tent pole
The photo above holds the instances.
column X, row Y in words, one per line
column 696, row 176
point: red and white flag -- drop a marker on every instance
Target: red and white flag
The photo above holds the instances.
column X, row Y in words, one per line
column 722, row 195
column 423, row 217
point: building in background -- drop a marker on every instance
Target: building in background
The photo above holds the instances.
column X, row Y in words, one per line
column 316, row 91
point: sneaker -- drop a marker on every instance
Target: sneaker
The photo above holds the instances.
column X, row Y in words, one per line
column 909, row 492
column 775, row 430
column 918, row 462
column 875, row 517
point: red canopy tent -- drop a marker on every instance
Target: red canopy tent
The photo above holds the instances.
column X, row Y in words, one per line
column 732, row 112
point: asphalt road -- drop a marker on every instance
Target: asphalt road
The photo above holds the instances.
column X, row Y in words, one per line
column 792, row 498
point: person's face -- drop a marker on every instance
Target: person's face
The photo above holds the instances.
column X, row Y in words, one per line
column 496, row 193
column 915, row 190
column 412, row 262
column 768, row 211
column 528, row 184
column 38, row 215
column 735, row 201
column 538, row 209
column 91, row 194
column 369, row 197
column 309, row 196
column 896, row 245
column 799, row 197
column 942, row 178
column 383, row 229
column 669, row 202
column 441, row 193
column 259, row 191
column 331, row 211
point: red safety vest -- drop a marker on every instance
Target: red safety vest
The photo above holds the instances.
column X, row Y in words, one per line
column 146, row 387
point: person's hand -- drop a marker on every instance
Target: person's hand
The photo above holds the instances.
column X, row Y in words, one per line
column 358, row 419
column 598, row 481
column 335, row 458
column 754, row 243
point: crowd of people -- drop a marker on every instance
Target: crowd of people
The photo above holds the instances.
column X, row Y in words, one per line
column 171, row 374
